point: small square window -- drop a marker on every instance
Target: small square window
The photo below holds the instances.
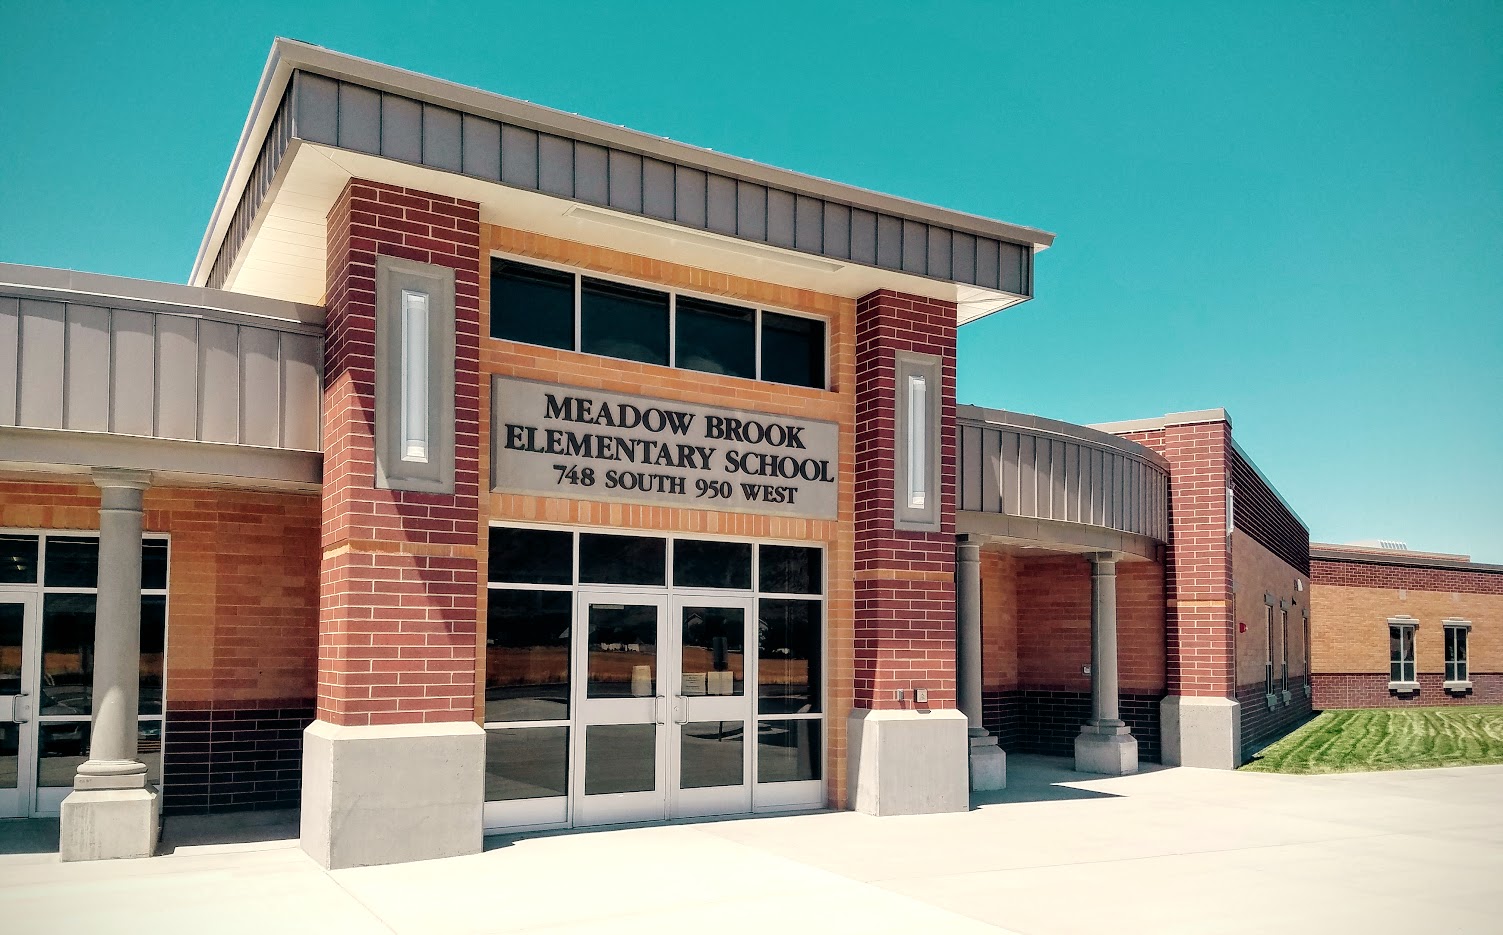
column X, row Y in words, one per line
column 793, row 350
column 532, row 304
column 715, row 338
column 623, row 321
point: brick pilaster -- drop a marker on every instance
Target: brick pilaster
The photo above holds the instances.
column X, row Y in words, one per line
column 1200, row 637
column 397, row 607
column 905, row 581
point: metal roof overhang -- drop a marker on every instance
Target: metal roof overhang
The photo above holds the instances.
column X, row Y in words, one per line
column 321, row 118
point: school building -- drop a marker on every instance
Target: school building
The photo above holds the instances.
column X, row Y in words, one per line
column 502, row 469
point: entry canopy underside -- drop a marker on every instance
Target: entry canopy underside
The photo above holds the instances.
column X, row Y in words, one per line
column 321, row 118
column 1036, row 485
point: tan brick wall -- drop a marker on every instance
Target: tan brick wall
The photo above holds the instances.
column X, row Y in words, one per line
column 242, row 605
column 835, row 404
column 1350, row 628
column 1256, row 572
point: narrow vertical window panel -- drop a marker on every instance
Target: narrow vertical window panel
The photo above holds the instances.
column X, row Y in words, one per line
column 260, row 388
column 42, row 356
column 219, row 382
column 177, row 377
column 414, row 380
column 10, row 349
column 133, row 373
column 87, row 401
column 918, row 430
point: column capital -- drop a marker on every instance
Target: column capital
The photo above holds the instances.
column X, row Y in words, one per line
column 119, row 478
column 968, row 549
column 1099, row 559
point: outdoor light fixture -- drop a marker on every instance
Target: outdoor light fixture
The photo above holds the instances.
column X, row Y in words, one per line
column 414, row 405
column 916, row 439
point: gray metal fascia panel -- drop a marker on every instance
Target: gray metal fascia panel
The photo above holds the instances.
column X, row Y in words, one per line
column 690, row 197
column 625, row 173
column 316, row 110
column 863, row 237
column 837, row 239
column 592, row 182
column 86, row 401
column 657, row 189
column 915, row 248
column 720, row 208
column 889, row 242
column 302, row 392
column 780, row 229
column 219, row 383
column 751, row 211
column 10, row 362
column 808, row 225
column 133, row 373
column 555, row 165
column 359, row 119
column 401, row 128
column 482, row 148
column 519, row 157
column 43, row 364
column 443, row 142
column 260, row 388
column 177, row 377
column 939, row 252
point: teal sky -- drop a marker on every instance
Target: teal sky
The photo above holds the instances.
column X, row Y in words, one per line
column 1291, row 210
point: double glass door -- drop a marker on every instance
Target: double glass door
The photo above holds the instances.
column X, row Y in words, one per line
column 664, row 710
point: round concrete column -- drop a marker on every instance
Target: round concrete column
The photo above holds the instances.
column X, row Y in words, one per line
column 968, row 631
column 112, row 762
column 1104, row 711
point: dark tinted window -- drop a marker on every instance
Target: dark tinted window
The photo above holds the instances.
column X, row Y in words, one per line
column 624, row 321
column 67, row 655
column 531, row 556
column 715, row 338
column 622, row 560
column 793, row 350
column 788, row 751
column 527, row 655
column 18, row 559
column 788, row 660
column 526, row 763
column 532, row 304
column 154, row 564
column 699, row 564
column 788, row 569
column 153, row 648
column 72, row 563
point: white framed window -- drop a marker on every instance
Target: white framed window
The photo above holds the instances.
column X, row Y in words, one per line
column 1458, row 672
column 1401, row 670
column 414, row 376
column 1284, row 646
column 1268, row 646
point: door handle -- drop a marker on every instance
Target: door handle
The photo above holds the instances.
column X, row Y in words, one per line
column 20, row 710
column 657, row 709
column 680, row 709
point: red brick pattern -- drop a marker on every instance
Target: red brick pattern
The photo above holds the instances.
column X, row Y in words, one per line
column 1198, row 578
column 1370, row 690
column 399, row 581
column 1372, row 575
column 905, row 581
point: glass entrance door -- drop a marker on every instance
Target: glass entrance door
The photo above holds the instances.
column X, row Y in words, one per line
column 18, row 725
column 621, row 737
column 710, row 766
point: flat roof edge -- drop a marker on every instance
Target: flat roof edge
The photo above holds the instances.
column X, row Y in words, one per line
column 1154, row 423
column 1080, row 433
column 1358, row 556
column 104, row 287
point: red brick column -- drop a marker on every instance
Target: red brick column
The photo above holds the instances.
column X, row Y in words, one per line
column 1200, row 632
column 905, row 581
column 397, row 608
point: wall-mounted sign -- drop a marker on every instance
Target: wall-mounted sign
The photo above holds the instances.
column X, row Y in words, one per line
column 564, row 441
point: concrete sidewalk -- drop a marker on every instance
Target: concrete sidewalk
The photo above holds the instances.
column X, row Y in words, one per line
column 1167, row 851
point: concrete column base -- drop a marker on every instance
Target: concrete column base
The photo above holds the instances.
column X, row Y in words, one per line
column 385, row 794
column 988, row 763
column 1106, row 751
column 908, row 762
column 104, row 824
column 1201, row 731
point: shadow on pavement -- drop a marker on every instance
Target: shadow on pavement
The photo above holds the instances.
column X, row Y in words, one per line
column 228, row 828
column 1035, row 778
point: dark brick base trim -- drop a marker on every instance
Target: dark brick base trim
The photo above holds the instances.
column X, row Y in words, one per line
column 1370, row 690
column 231, row 759
column 1047, row 722
column 1262, row 725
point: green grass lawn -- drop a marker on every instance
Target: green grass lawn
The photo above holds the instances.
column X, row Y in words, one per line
column 1389, row 738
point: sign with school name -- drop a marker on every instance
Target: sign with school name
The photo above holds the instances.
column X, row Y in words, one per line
column 564, row 441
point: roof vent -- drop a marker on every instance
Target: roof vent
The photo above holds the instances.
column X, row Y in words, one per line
column 1391, row 545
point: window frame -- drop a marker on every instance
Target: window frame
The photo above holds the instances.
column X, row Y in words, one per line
column 1458, row 670
column 1268, row 604
column 673, row 293
column 1408, row 629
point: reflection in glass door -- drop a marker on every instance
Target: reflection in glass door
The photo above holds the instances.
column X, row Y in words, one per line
column 622, row 735
column 710, row 758
column 18, row 728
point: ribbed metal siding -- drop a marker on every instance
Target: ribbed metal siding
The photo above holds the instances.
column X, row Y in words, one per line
column 278, row 137
column 1259, row 512
column 1042, row 475
column 86, row 367
column 337, row 113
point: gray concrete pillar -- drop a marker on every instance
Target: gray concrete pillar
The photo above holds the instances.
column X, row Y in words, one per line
column 988, row 763
column 113, row 811
column 1105, row 744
